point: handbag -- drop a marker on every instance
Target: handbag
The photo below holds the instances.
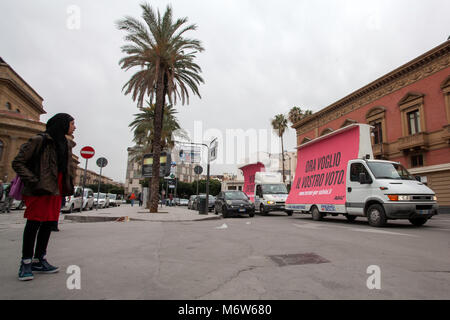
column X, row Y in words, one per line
column 16, row 188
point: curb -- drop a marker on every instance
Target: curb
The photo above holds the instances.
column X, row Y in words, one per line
column 88, row 219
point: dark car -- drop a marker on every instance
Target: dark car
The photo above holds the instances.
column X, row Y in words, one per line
column 231, row 203
column 212, row 201
column 191, row 202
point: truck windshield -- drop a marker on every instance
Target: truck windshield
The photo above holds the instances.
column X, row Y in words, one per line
column 274, row 189
column 387, row 170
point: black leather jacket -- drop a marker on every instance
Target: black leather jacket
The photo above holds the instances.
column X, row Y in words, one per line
column 36, row 164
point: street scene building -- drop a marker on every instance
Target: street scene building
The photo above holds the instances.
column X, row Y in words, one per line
column 20, row 110
column 409, row 109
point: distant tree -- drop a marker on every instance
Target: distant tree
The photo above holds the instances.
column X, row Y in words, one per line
column 297, row 114
column 279, row 124
column 143, row 130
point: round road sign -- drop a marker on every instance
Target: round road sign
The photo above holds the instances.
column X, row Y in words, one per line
column 102, row 162
column 198, row 169
column 87, row 152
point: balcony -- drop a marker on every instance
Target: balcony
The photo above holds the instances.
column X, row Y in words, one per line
column 418, row 141
column 380, row 150
column 446, row 133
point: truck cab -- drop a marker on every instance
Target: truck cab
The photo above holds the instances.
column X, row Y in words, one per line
column 270, row 192
column 382, row 190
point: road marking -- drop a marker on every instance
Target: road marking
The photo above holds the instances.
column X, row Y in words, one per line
column 382, row 232
column 314, row 226
column 308, row 226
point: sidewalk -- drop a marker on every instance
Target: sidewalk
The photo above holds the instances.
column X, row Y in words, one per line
column 128, row 213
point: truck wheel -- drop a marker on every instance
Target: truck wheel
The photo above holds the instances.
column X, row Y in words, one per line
column 376, row 215
column 418, row 221
column 350, row 218
column 289, row 212
column 316, row 214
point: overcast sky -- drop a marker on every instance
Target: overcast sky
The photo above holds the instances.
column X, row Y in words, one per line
column 261, row 58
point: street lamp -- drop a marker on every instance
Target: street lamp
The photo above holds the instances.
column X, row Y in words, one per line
column 290, row 169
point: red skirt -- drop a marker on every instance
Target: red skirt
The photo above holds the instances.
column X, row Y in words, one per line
column 44, row 208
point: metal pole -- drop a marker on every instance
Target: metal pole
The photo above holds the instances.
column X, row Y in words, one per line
column 84, row 182
column 98, row 190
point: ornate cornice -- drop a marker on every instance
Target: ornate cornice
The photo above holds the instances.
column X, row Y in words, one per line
column 423, row 66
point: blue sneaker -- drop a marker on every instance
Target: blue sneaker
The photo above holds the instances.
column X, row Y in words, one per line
column 25, row 271
column 42, row 266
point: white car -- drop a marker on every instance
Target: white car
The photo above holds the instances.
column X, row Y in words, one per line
column 73, row 202
column 113, row 202
column 18, row 204
column 88, row 199
column 103, row 200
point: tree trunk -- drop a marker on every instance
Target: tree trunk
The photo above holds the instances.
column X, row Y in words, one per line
column 157, row 125
column 282, row 157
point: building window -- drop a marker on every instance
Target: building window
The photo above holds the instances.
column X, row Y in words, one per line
column 326, row 131
column 413, row 122
column 412, row 113
column 377, row 132
column 1, row 149
column 8, row 106
column 417, row 160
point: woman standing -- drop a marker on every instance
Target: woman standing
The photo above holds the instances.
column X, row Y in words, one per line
column 44, row 164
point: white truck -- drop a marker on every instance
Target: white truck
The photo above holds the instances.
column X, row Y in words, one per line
column 336, row 174
column 270, row 192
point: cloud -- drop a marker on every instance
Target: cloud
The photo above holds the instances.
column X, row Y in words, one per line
column 261, row 58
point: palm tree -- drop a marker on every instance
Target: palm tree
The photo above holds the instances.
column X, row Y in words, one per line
column 279, row 124
column 296, row 114
column 142, row 126
column 165, row 62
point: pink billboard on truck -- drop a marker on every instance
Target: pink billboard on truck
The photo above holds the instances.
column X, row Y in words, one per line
column 320, row 177
column 249, row 172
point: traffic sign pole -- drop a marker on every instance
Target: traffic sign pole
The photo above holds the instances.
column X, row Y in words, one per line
column 84, row 183
column 101, row 162
column 87, row 153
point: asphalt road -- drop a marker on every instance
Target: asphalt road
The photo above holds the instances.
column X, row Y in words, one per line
column 265, row 257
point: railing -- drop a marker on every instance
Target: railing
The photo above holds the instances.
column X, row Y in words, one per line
column 446, row 133
column 418, row 140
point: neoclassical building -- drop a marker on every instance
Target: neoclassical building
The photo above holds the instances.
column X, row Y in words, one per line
column 20, row 111
column 409, row 109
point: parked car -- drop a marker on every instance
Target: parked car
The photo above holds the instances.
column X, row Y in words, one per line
column 183, row 202
column 103, row 200
column 88, row 199
column 191, row 202
column 73, row 202
column 119, row 200
column 231, row 203
column 113, row 202
column 18, row 204
column 211, row 201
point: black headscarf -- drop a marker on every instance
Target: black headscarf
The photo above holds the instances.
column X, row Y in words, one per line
column 57, row 127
